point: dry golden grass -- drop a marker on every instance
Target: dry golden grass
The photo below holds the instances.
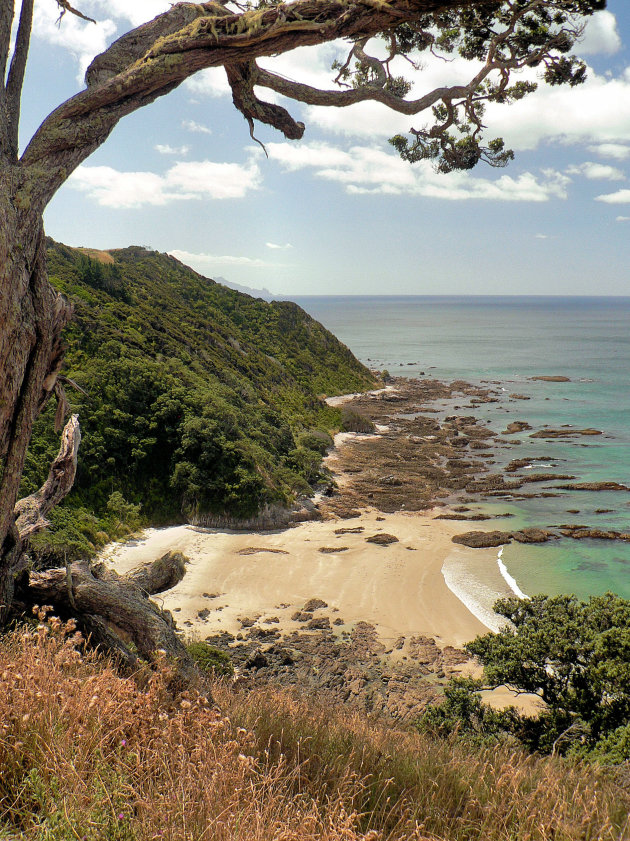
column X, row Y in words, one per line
column 85, row 754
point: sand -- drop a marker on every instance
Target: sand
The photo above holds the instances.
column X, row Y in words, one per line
column 399, row 588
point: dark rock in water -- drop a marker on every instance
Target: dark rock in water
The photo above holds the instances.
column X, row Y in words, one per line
column 532, row 535
column 593, row 486
column 568, row 432
column 515, row 426
column 314, row 604
column 519, row 397
column 382, row 539
column 462, row 517
column 482, row 539
column 584, row 533
column 552, row 379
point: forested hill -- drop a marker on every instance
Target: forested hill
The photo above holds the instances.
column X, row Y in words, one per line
column 197, row 398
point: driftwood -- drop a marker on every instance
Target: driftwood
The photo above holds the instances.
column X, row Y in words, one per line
column 115, row 611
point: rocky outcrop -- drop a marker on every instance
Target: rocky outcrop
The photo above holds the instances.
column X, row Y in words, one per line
column 555, row 378
column 565, row 432
column 516, row 426
column 483, row 539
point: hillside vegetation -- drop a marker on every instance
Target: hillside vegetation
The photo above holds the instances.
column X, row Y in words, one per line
column 196, row 399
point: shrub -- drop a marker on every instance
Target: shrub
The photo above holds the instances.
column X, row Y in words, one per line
column 353, row 421
column 211, row 659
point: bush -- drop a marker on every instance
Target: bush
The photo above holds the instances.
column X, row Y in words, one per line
column 353, row 421
column 211, row 659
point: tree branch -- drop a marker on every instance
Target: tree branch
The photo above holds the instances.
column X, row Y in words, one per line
column 341, row 99
column 242, row 78
column 15, row 79
column 30, row 512
column 155, row 58
column 6, row 22
column 118, row 610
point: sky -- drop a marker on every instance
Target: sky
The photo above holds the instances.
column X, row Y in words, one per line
column 338, row 213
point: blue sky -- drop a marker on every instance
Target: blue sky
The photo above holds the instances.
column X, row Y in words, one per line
column 338, row 212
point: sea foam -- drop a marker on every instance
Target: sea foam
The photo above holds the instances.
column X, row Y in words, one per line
column 509, row 579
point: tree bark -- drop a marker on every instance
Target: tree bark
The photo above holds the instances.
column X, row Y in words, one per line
column 116, row 610
column 32, row 316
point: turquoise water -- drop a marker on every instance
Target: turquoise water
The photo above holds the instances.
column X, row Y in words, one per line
column 507, row 341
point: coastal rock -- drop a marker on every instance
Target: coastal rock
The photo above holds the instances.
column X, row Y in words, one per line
column 476, row 517
column 382, row 539
column 319, row 623
column 314, row 604
column 552, row 379
column 482, row 539
column 532, row 535
column 515, row 426
column 593, row 486
column 519, row 397
column 567, row 432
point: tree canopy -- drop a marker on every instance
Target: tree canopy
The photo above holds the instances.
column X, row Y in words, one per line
column 574, row 655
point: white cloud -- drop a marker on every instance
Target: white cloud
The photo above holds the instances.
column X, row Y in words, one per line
column 620, row 197
column 214, row 180
column 597, row 172
column 600, row 35
column 134, row 13
column 191, row 125
column 369, row 170
column 618, row 151
column 167, row 149
column 207, row 262
column 81, row 38
column 190, row 180
column 541, row 236
column 211, row 82
column 622, row 219
column 274, row 245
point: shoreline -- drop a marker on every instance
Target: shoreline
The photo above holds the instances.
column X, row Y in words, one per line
column 398, row 588
column 390, row 621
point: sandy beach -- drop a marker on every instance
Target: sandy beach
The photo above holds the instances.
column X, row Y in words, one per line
column 234, row 575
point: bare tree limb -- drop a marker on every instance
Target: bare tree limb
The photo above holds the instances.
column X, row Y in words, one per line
column 6, row 22
column 15, row 79
column 119, row 611
column 30, row 512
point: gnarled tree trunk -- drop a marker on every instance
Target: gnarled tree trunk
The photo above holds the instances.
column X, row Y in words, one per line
column 32, row 316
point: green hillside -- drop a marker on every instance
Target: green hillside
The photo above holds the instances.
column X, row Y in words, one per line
column 197, row 398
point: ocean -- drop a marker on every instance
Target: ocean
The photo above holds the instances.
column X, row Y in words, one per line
column 505, row 341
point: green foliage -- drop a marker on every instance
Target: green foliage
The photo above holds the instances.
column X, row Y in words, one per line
column 211, row 659
column 353, row 421
column 463, row 712
column 576, row 656
column 507, row 36
column 197, row 398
